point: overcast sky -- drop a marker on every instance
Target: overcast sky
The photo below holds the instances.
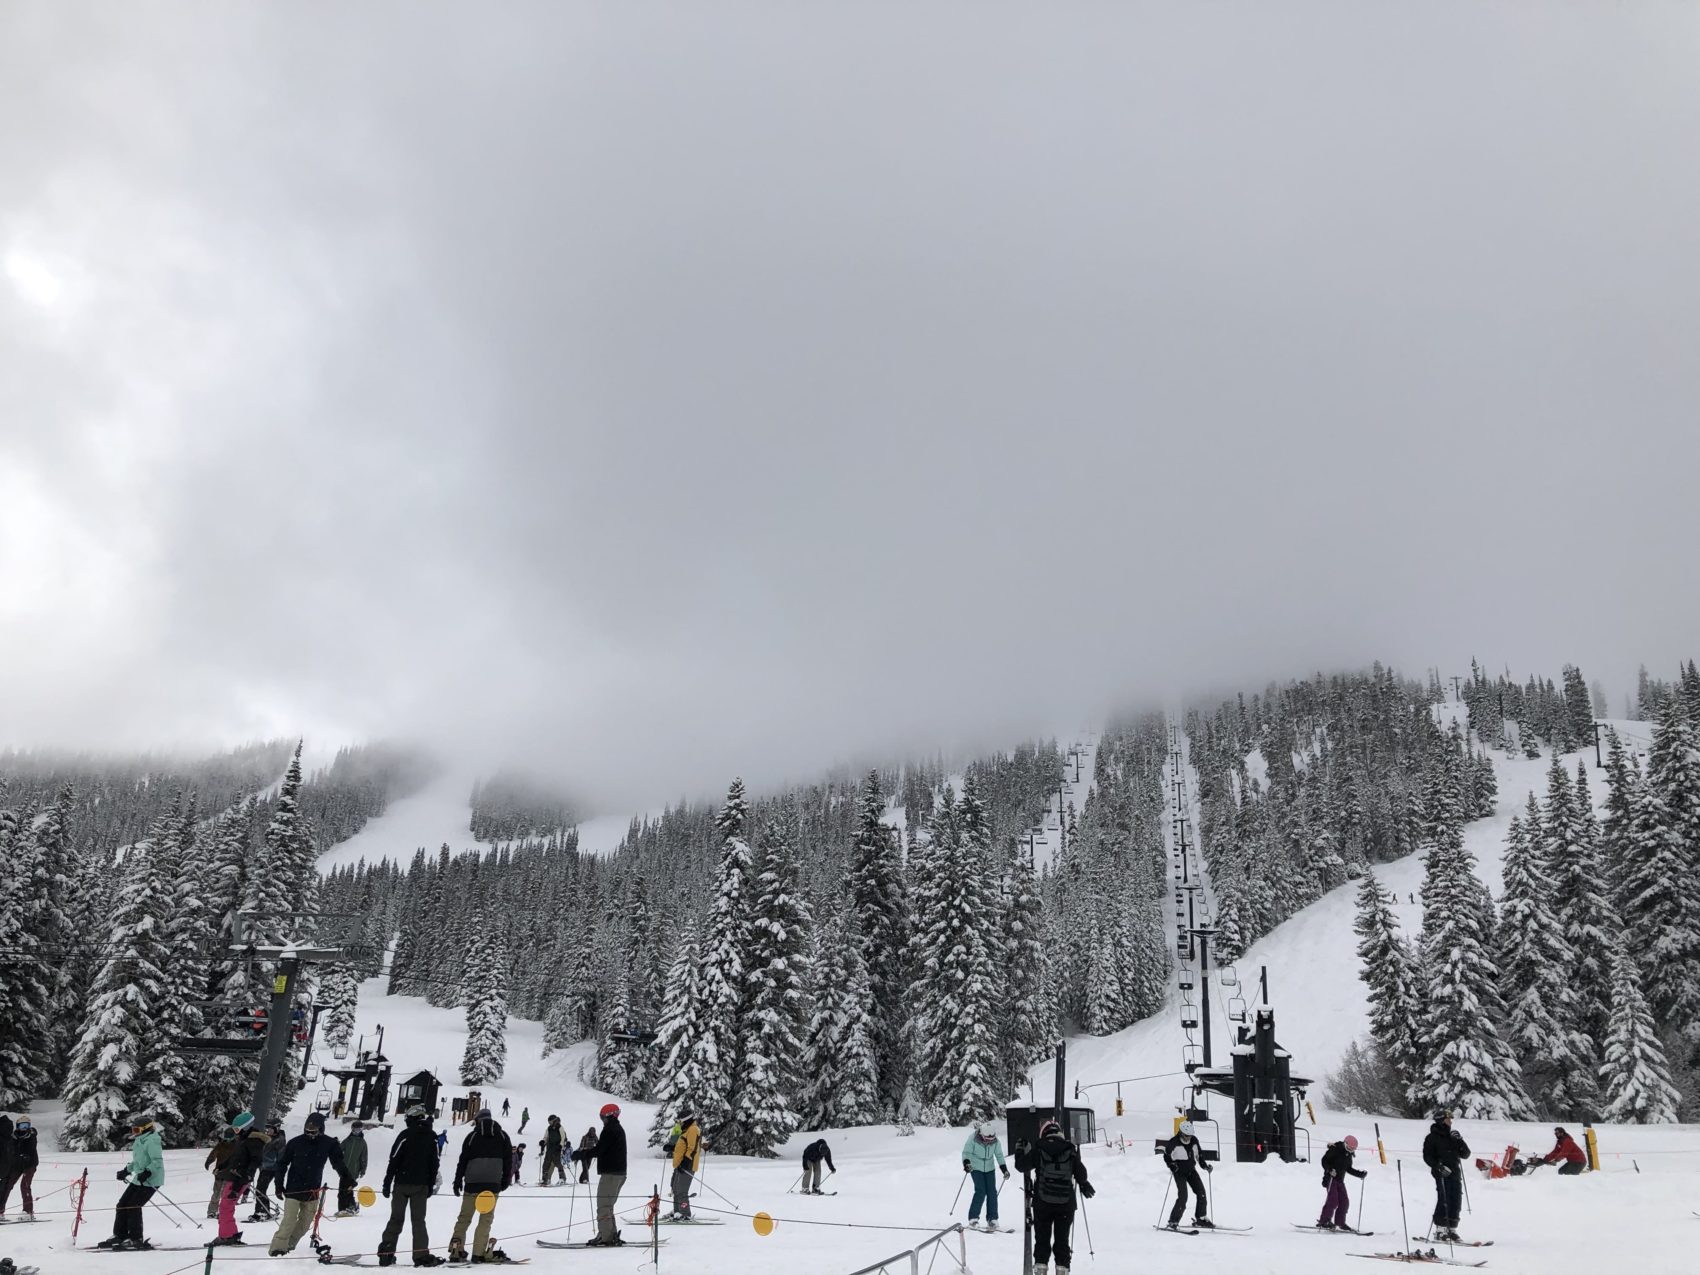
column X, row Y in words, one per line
column 698, row 389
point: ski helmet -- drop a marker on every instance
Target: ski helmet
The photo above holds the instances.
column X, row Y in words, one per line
column 611, row 1110
column 1186, row 1129
column 1351, row 1143
column 417, row 1112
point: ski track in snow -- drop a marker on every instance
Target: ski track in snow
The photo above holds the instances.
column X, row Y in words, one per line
column 1635, row 1215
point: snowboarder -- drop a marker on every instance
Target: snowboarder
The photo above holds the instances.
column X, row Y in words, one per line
column 239, row 1169
column 354, row 1155
column 1569, row 1157
column 145, row 1174
column 524, row 1115
column 1336, row 1164
column 1183, row 1155
column 486, row 1164
column 300, row 1175
column 22, row 1159
column 268, row 1172
column 1444, row 1150
column 220, row 1152
column 553, row 1143
column 609, row 1152
column 585, row 1154
column 1056, row 1168
column 411, row 1175
column 982, row 1158
column 813, row 1155
column 687, row 1159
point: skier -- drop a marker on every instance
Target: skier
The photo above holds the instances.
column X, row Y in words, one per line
column 442, row 1141
column 1056, row 1166
column 237, row 1171
column 145, row 1175
column 354, row 1155
column 220, row 1152
column 524, row 1115
column 813, row 1155
column 411, row 1175
column 554, row 1140
column 268, row 1171
column 1183, row 1155
column 585, row 1154
column 519, row 1162
column 22, row 1159
column 300, row 1175
column 687, row 1160
column 1573, row 1159
column 1336, row 1163
column 486, row 1164
column 1444, row 1150
column 504, row 1108
column 609, row 1152
column 982, row 1157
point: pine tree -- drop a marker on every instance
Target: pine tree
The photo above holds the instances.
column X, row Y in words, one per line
column 1558, row 1060
column 717, row 1051
column 187, row 1110
column 881, row 930
column 26, row 971
column 1579, row 705
column 339, row 997
column 1634, row 1075
column 841, row 1086
column 1580, row 903
column 776, row 993
column 679, row 1076
column 1659, row 878
column 486, row 1056
column 111, row 1067
column 1391, row 973
column 1468, row 1067
column 1030, row 1026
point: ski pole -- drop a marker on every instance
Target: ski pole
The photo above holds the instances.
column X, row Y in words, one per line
column 1462, row 1177
column 1087, row 1223
column 168, row 1217
column 795, row 1184
column 572, row 1205
column 959, row 1186
column 1161, row 1206
column 1403, row 1220
column 705, row 1186
column 173, row 1203
column 1363, row 1185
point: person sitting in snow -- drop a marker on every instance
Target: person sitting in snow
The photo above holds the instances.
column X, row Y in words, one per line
column 1569, row 1157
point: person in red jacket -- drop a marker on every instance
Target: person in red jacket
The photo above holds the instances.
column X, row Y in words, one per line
column 1567, row 1155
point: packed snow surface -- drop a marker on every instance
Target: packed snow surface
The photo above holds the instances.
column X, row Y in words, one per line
column 1638, row 1214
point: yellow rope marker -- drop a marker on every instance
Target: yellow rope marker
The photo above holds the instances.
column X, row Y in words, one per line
column 367, row 1197
column 763, row 1222
column 486, row 1202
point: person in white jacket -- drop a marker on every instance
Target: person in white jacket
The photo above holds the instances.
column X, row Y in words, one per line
column 982, row 1158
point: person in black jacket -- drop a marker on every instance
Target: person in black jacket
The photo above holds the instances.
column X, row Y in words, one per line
column 552, row 1144
column 300, row 1175
column 813, row 1156
column 486, row 1164
column 585, row 1156
column 1336, row 1164
column 411, row 1176
column 1183, row 1156
column 239, row 1169
column 1056, row 1168
column 23, row 1157
column 610, row 1157
column 1443, row 1151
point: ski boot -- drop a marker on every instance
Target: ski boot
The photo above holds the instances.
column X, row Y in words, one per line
column 111, row 1241
column 1204, row 1224
column 428, row 1259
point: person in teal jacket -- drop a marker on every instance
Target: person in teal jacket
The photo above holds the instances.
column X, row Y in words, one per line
column 145, row 1175
column 982, row 1158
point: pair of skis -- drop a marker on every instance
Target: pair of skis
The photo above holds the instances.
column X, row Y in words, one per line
column 1204, row 1230
column 1429, row 1257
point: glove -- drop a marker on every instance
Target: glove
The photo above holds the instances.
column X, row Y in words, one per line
column 457, row 1188
column 124, row 1173
column 386, row 1190
column 1441, row 1171
column 1087, row 1190
column 1209, row 1168
column 1004, row 1168
column 966, row 1168
column 143, row 1179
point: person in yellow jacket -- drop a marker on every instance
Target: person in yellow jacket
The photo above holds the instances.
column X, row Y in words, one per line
column 687, row 1159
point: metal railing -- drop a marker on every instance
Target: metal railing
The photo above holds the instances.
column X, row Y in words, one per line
column 910, row 1259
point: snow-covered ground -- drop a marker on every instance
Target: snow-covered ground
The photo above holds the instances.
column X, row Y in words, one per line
column 1635, row 1215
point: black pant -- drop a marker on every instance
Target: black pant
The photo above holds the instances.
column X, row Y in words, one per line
column 1183, row 1179
column 127, row 1219
column 262, row 1198
column 1448, row 1197
column 1570, row 1168
column 1051, row 1226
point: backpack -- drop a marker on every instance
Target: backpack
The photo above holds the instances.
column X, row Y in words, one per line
column 1054, row 1182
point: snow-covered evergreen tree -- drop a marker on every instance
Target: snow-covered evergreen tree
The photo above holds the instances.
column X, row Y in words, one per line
column 678, row 1073
column 1391, row 973
column 717, row 1047
column 840, row 1067
column 1030, row 1027
column 1660, row 877
column 1634, row 1074
column 26, row 971
column 1468, row 1068
column 1558, row 1061
column 486, row 1055
column 112, row 1067
column 1580, row 899
column 882, row 930
column 776, row 993
column 339, row 998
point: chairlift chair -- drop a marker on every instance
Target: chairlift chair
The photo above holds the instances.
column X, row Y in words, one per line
column 322, row 1102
